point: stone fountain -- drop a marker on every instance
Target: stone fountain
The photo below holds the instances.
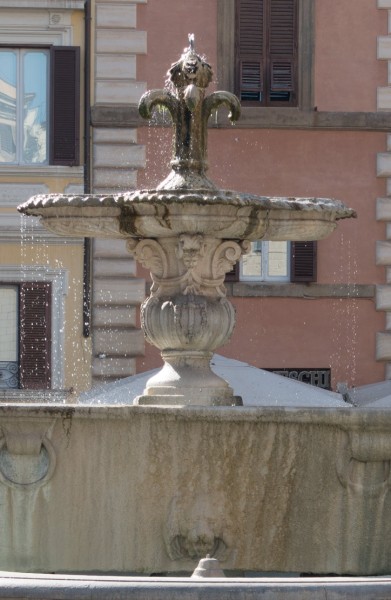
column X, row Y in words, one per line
column 189, row 234
column 149, row 486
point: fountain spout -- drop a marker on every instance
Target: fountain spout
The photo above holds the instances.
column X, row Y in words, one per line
column 190, row 110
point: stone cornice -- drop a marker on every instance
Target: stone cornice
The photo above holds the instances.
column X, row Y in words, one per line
column 254, row 118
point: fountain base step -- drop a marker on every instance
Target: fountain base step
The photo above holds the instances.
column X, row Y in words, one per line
column 187, row 400
column 70, row 587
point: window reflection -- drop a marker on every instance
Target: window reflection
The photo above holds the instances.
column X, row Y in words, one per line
column 34, row 107
column 23, row 106
column 7, row 106
column 8, row 323
column 266, row 261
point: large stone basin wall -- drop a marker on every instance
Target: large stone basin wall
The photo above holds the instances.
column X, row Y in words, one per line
column 150, row 490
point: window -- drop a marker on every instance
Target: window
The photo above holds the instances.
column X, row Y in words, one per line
column 229, row 57
column 49, row 287
column 279, row 262
column 266, row 261
column 25, row 335
column 39, row 106
column 266, row 52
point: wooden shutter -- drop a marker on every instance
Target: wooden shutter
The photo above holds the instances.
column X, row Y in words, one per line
column 266, row 51
column 282, row 51
column 303, row 261
column 64, row 105
column 250, row 49
column 35, row 335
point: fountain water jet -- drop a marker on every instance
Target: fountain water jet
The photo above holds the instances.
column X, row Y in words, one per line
column 189, row 234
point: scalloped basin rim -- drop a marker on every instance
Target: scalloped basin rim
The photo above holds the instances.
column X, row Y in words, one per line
column 38, row 204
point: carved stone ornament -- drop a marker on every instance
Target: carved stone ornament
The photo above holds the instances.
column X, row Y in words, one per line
column 27, row 457
column 195, row 528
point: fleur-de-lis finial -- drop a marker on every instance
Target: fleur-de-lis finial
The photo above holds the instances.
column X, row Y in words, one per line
column 190, row 108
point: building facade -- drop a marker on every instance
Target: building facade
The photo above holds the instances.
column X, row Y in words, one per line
column 313, row 79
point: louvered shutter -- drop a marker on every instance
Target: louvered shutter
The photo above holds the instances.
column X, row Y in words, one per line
column 64, row 105
column 266, row 51
column 250, row 49
column 303, row 261
column 282, row 50
column 35, row 335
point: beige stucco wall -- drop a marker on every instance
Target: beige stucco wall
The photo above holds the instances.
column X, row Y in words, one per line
column 76, row 349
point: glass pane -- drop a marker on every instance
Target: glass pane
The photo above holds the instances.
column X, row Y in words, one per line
column 278, row 259
column 8, row 323
column 7, row 106
column 35, row 106
column 252, row 262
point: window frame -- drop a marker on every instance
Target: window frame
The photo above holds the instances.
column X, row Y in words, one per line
column 265, row 277
column 19, row 109
column 305, row 71
column 63, row 136
column 58, row 278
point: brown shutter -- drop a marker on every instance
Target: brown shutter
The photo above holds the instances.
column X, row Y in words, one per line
column 303, row 261
column 266, row 51
column 35, row 335
column 64, row 105
column 250, row 49
column 282, row 51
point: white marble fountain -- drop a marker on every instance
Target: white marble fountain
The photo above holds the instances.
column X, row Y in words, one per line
column 183, row 466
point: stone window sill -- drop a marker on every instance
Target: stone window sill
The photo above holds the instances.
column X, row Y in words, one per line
column 41, row 171
column 299, row 290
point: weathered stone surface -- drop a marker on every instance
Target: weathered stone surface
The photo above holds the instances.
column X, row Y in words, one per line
column 384, row 98
column 118, row 341
column 149, row 489
column 119, row 91
column 112, row 15
column 117, row 291
column 384, row 47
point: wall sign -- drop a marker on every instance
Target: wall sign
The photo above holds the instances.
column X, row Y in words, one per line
column 319, row 377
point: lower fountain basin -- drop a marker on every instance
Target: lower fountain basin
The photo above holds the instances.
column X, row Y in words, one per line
column 139, row 489
column 167, row 213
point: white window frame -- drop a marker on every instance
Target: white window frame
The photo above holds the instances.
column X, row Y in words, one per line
column 264, row 270
column 19, row 122
column 36, row 22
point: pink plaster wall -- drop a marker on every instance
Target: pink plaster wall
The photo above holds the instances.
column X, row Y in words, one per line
column 347, row 71
column 275, row 332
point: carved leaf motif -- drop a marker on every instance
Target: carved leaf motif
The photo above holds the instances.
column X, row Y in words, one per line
column 158, row 98
column 219, row 98
column 225, row 257
column 151, row 255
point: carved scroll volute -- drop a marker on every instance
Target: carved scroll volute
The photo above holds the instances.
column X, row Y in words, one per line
column 151, row 255
column 226, row 255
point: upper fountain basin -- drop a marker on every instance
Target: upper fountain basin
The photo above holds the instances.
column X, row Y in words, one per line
column 167, row 213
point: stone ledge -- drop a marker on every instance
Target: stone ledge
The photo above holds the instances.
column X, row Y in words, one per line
column 49, row 587
column 303, row 290
column 254, row 118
